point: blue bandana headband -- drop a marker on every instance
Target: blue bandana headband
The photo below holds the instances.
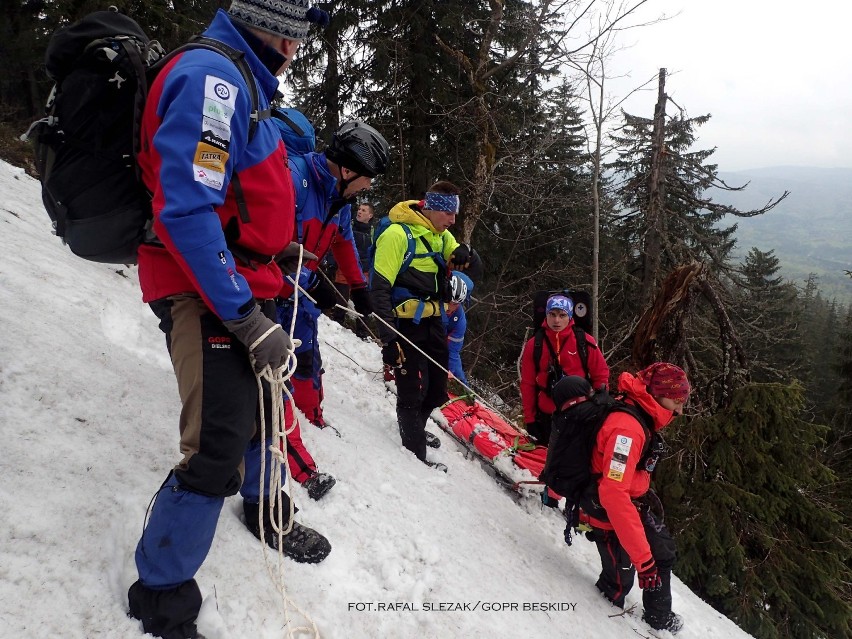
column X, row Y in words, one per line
column 441, row 202
column 561, row 303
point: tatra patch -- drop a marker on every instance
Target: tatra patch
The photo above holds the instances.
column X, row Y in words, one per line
column 615, row 475
column 207, row 177
column 209, row 157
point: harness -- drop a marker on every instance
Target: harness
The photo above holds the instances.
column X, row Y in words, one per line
column 401, row 296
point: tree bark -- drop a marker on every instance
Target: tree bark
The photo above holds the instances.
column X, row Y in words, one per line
column 655, row 216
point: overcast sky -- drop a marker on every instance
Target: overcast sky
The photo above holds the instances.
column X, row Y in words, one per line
column 774, row 74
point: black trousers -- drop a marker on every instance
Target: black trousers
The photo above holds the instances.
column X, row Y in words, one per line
column 421, row 386
column 617, row 571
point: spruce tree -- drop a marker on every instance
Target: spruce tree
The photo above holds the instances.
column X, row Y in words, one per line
column 768, row 310
column 758, row 537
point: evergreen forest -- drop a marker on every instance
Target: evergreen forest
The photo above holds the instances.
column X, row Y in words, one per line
column 562, row 189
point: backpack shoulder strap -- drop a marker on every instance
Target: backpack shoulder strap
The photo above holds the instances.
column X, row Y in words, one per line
column 437, row 257
column 582, row 350
column 645, row 421
column 539, row 339
column 299, row 131
column 410, row 250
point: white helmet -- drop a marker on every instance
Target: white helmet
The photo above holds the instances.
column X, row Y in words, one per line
column 458, row 289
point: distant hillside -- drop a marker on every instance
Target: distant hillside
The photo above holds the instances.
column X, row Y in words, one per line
column 810, row 231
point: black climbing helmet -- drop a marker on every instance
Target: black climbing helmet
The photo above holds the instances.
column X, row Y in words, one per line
column 360, row 148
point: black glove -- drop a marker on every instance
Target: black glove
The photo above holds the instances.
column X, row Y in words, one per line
column 649, row 577
column 548, row 500
column 360, row 297
column 460, row 258
column 392, row 354
column 323, row 293
column 267, row 342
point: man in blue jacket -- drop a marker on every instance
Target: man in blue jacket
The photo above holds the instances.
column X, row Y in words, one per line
column 325, row 184
column 221, row 200
column 461, row 287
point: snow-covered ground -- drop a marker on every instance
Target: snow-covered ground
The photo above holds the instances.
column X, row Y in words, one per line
column 88, row 431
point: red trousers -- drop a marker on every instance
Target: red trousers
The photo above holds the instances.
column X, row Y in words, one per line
column 302, row 465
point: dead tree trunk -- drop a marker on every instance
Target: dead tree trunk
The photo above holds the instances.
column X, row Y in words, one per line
column 655, row 216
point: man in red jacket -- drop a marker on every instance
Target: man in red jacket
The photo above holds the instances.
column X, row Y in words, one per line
column 559, row 357
column 629, row 536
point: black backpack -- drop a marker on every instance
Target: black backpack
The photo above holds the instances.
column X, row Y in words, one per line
column 87, row 144
column 582, row 325
column 578, row 419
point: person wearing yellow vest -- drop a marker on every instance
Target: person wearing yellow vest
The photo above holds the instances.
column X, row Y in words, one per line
column 409, row 292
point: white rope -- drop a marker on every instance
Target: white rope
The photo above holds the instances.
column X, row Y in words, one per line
column 426, row 355
column 279, row 471
column 266, row 333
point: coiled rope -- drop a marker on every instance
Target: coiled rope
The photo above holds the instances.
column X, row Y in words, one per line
column 279, row 472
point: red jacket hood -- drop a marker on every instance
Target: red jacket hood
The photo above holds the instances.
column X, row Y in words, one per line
column 635, row 389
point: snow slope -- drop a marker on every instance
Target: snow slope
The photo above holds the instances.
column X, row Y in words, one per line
column 88, row 431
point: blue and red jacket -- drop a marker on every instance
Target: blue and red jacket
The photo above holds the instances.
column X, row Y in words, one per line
column 195, row 137
column 318, row 226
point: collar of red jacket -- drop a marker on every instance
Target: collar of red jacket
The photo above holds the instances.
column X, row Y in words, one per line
column 635, row 389
column 554, row 337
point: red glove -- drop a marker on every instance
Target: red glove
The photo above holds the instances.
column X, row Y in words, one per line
column 649, row 577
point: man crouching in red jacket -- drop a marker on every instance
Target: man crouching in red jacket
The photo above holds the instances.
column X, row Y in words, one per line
column 629, row 536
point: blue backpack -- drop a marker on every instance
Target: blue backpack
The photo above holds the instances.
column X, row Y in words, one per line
column 299, row 138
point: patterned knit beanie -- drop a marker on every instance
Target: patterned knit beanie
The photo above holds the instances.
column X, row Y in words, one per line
column 665, row 380
column 289, row 19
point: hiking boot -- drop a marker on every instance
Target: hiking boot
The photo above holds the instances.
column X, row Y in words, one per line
column 318, row 485
column 169, row 613
column 671, row 621
column 432, row 440
column 302, row 544
column 436, row 465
